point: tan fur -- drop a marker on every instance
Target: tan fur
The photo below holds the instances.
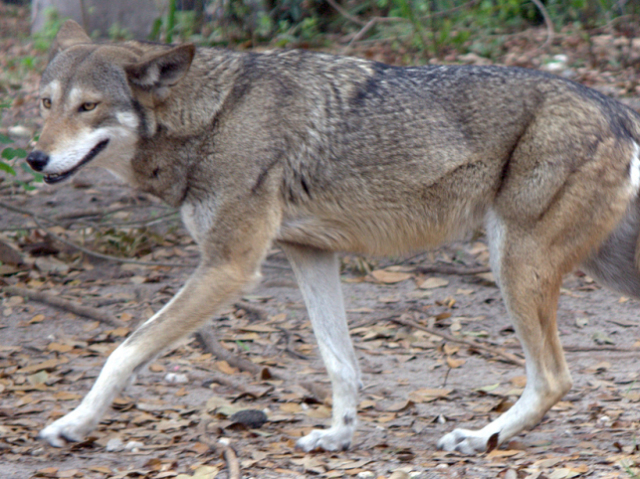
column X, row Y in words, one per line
column 322, row 154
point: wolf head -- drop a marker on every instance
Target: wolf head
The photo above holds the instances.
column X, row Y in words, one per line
column 97, row 101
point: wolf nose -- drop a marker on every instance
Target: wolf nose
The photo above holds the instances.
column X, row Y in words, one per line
column 37, row 160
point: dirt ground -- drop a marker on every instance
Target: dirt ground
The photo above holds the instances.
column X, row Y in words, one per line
column 417, row 385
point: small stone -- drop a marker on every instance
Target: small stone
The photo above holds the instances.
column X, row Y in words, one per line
column 115, row 445
column 37, row 452
column 251, row 418
column 511, row 474
column 133, row 446
column 365, row 474
column 20, row 131
column 175, row 378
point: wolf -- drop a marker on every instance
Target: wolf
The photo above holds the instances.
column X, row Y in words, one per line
column 322, row 154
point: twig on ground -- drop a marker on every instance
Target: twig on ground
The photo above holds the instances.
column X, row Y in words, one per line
column 587, row 349
column 37, row 219
column 205, row 420
column 442, row 269
column 69, row 306
column 88, row 213
column 109, row 257
column 222, row 445
column 508, row 357
column 210, row 342
column 288, row 347
column 233, row 465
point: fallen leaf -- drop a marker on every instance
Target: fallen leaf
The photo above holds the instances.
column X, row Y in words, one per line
column 488, row 388
column 224, row 367
column 206, row 472
column 487, row 278
column 433, row 282
column 291, row 407
column 400, row 406
column 455, row 363
column 428, row 395
column 259, row 328
column 389, row 277
column 59, row 348
column 38, row 318
column 45, row 365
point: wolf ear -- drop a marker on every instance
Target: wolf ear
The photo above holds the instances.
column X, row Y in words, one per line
column 70, row 34
column 161, row 70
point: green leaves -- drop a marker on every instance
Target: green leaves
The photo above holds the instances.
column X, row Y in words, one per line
column 13, row 153
column 10, row 154
column 6, row 168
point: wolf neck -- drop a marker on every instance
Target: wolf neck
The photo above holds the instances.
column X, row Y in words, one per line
column 197, row 99
column 183, row 125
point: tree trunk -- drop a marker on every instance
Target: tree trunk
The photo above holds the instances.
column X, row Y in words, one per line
column 135, row 17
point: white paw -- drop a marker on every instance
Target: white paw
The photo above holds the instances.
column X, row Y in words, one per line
column 70, row 428
column 333, row 439
column 464, row 441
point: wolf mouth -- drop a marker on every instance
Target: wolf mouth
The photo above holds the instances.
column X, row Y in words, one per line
column 58, row 177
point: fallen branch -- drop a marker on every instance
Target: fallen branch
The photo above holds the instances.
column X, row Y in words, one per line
column 208, row 339
column 69, row 306
column 288, row 347
column 508, row 357
column 443, row 269
column 211, row 344
column 88, row 213
column 233, row 465
column 37, row 218
column 587, row 349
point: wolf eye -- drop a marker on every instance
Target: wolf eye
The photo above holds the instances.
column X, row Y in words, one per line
column 46, row 102
column 88, row 106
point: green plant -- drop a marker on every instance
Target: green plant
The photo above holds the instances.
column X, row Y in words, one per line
column 43, row 38
column 118, row 33
column 9, row 155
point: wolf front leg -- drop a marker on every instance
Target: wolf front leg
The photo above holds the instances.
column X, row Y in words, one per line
column 318, row 276
column 199, row 299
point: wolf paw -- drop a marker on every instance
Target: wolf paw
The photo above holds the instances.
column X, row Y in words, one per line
column 464, row 441
column 71, row 428
column 333, row 439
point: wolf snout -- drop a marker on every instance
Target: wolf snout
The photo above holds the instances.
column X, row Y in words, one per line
column 37, row 160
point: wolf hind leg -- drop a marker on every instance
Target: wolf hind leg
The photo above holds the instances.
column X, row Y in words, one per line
column 318, row 276
column 530, row 286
